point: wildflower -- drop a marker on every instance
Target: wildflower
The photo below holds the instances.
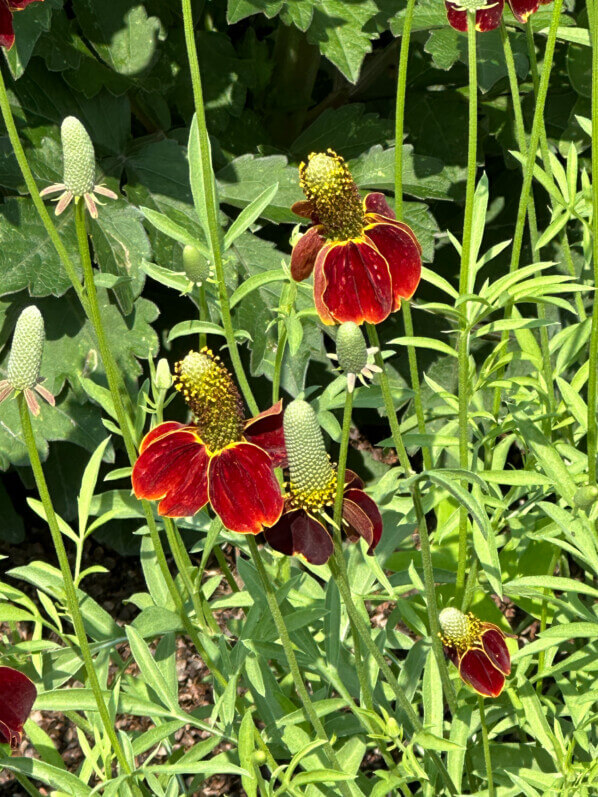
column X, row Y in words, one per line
column 17, row 696
column 477, row 649
column 7, row 7
column 222, row 458
column 302, row 529
column 25, row 359
column 488, row 14
column 79, row 167
column 353, row 356
column 364, row 261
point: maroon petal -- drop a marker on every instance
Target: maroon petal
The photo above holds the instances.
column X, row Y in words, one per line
column 159, row 431
column 265, row 431
column 358, row 285
column 486, row 19
column 522, row 9
column 173, row 467
column 17, row 696
column 7, row 36
column 363, row 517
column 18, row 5
column 376, row 203
column 477, row 670
column 403, row 258
column 305, row 252
column 297, row 533
column 352, row 480
column 496, row 649
column 306, row 210
column 243, row 490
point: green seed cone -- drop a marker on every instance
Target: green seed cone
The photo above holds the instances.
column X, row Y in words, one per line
column 197, row 268
column 351, row 350
column 453, row 623
column 27, row 348
column 78, row 157
column 308, row 461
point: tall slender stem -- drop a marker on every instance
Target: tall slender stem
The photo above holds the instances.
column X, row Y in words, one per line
column 68, row 584
column 486, row 745
column 204, row 313
column 592, row 382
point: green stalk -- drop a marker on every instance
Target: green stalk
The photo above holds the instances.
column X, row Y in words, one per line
column 204, row 313
column 426, row 552
column 282, row 342
column 486, row 744
column 211, row 207
column 68, row 584
column 49, row 225
column 464, row 288
column 592, row 392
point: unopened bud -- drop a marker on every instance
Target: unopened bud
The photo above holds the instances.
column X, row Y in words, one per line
column 78, row 157
column 309, row 463
column 163, row 375
column 197, row 268
column 585, row 497
column 25, row 359
column 393, row 728
column 259, row 757
column 351, row 349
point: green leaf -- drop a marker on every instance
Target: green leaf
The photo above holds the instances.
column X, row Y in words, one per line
column 54, row 777
column 424, row 343
column 257, row 281
column 88, row 484
column 150, row 671
column 249, row 214
column 184, row 328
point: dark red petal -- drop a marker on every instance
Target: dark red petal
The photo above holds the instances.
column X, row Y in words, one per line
column 159, row 431
column 298, row 533
column 376, row 203
column 352, row 480
column 17, row 696
column 305, row 209
column 18, row 5
column 522, row 9
column 376, row 218
column 452, row 655
column 320, row 287
column 362, row 514
column 305, row 251
column 477, row 670
column 486, row 19
column 265, row 431
column 358, row 286
column 496, row 649
column 403, row 258
column 243, row 489
column 174, row 468
column 7, row 36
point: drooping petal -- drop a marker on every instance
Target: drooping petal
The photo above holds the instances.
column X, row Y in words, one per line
column 159, row 431
column 352, row 480
column 5, row 390
column 476, row 669
column 305, row 251
column 53, row 189
column 357, row 283
column 265, row 431
column 403, row 258
column 104, row 191
column 243, row 489
column 305, row 209
column 496, row 649
column 485, row 19
column 377, row 218
column 320, row 287
column 522, row 9
column 90, row 204
column 363, row 516
column 297, row 533
column 174, row 468
column 32, row 402
column 376, row 203
column 45, row 394
column 7, row 36
column 17, row 696
column 63, row 202
column 19, row 5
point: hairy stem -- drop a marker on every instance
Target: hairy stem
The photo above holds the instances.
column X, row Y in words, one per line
column 486, row 745
column 592, row 379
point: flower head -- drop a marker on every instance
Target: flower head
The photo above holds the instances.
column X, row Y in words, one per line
column 477, row 649
column 354, row 357
column 25, row 359
column 488, row 13
column 7, row 7
column 364, row 261
column 310, row 493
column 17, row 696
column 221, row 458
column 79, row 166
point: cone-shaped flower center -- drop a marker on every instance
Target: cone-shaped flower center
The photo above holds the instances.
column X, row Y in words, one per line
column 78, row 157
column 26, row 351
column 351, row 350
column 210, row 392
column 327, row 183
column 459, row 631
column 313, row 479
column 473, row 5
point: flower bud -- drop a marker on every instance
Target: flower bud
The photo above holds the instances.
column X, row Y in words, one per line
column 392, row 728
column 78, row 157
column 309, row 464
column 163, row 375
column 351, row 349
column 259, row 757
column 195, row 265
column 25, row 359
column 585, row 497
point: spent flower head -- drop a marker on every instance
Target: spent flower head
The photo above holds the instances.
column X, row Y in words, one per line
column 79, row 168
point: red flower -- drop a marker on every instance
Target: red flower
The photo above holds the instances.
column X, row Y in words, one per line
column 489, row 17
column 222, row 459
column 477, row 649
column 300, row 532
column 364, row 261
column 7, row 35
column 17, row 696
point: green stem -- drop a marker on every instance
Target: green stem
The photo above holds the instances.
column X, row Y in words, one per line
column 212, row 208
column 204, row 313
column 49, row 225
column 68, row 584
column 223, row 564
column 486, row 744
column 592, row 382
column 464, row 288
column 400, row 106
column 544, row 618
column 424, row 537
column 280, row 349
column 287, row 645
